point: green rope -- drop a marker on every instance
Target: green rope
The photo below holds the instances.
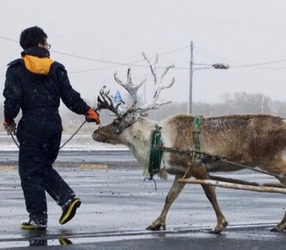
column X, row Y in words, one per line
column 196, row 132
column 156, row 153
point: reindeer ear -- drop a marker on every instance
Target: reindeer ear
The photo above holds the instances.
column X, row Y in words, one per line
column 144, row 114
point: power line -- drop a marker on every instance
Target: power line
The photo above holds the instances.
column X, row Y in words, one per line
column 238, row 65
column 138, row 65
column 258, row 64
column 134, row 63
column 211, row 55
column 89, row 58
column 175, row 50
column 6, row 38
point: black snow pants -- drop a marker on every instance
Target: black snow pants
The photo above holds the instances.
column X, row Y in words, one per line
column 39, row 140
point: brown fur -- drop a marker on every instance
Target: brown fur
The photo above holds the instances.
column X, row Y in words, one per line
column 253, row 140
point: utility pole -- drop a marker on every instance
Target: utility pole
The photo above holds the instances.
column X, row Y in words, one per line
column 214, row 66
column 191, row 79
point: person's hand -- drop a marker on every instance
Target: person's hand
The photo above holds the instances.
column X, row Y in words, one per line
column 10, row 126
column 92, row 116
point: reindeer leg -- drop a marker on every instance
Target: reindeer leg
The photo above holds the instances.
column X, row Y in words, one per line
column 173, row 193
column 282, row 172
column 280, row 226
column 200, row 172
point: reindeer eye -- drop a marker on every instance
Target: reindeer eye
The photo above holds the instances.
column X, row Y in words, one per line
column 117, row 121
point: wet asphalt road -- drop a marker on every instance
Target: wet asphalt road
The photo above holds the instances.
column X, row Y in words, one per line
column 78, row 156
column 117, row 206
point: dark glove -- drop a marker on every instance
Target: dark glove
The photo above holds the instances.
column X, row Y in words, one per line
column 92, row 116
column 10, row 126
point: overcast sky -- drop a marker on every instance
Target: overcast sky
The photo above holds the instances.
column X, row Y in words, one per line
column 93, row 39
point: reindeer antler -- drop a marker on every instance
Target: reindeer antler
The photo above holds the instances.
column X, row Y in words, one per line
column 158, row 84
column 105, row 100
column 131, row 88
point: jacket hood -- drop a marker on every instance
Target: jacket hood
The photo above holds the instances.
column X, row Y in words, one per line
column 37, row 60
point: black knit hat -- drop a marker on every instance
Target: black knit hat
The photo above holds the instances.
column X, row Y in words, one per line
column 32, row 36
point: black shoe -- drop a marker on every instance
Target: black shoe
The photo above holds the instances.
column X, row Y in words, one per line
column 65, row 242
column 69, row 210
column 34, row 225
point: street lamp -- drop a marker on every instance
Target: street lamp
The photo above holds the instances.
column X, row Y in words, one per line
column 220, row 66
column 215, row 66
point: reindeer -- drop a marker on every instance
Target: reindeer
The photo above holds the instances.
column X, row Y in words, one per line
column 252, row 140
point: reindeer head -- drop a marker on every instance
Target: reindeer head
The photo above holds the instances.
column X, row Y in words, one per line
column 125, row 116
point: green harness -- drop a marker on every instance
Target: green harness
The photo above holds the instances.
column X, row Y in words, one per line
column 156, row 151
column 196, row 132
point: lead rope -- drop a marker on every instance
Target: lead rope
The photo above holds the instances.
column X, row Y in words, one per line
column 16, row 143
column 13, row 138
column 99, row 125
column 72, row 135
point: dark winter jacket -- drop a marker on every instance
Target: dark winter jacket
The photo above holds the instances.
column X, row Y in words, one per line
column 35, row 84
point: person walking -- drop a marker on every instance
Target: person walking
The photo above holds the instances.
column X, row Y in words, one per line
column 35, row 84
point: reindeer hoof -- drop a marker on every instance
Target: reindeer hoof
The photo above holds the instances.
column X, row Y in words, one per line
column 150, row 228
column 156, row 228
column 215, row 231
column 276, row 230
column 218, row 229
